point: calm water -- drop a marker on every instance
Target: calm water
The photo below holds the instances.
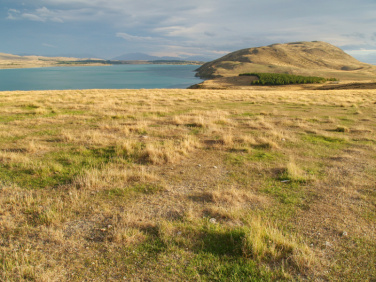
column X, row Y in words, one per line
column 102, row 77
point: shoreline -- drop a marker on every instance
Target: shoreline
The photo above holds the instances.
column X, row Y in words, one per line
column 21, row 64
column 280, row 88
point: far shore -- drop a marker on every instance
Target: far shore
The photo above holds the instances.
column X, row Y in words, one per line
column 18, row 62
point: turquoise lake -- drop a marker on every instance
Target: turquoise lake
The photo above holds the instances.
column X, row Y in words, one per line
column 99, row 77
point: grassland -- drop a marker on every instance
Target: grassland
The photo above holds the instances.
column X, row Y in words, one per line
column 193, row 185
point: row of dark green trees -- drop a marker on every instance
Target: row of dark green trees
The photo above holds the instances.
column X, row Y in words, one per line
column 283, row 79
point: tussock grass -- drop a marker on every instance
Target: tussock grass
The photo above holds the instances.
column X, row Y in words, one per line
column 187, row 185
column 265, row 242
column 110, row 176
column 295, row 173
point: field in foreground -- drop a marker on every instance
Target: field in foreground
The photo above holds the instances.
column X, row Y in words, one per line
column 164, row 185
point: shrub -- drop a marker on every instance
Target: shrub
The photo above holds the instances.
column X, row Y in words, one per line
column 283, row 79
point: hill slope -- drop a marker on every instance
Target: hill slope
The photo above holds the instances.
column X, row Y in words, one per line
column 304, row 58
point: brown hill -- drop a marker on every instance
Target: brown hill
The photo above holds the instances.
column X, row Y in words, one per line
column 303, row 58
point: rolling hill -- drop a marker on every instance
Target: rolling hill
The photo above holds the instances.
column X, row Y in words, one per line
column 303, row 58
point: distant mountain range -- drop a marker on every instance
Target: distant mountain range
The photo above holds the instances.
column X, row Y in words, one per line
column 146, row 57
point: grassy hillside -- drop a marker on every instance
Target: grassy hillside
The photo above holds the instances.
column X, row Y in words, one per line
column 299, row 58
column 108, row 185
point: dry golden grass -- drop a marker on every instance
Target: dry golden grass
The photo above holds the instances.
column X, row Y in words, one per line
column 187, row 185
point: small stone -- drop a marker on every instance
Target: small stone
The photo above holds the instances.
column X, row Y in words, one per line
column 215, row 167
column 144, row 137
column 344, row 234
column 283, row 139
column 199, row 165
column 70, row 193
column 327, row 244
column 109, row 226
column 213, row 220
column 179, row 233
column 311, row 245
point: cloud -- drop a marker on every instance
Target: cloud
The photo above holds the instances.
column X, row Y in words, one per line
column 49, row 15
column 33, row 17
column 364, row 55
column 210, row 34
column 188, row 31
column 362, row 51
column 358, row 35
column 48, row 45
column 189, row 51
column 40, row 15
column 13, row 14
column 130, row 37
column 200, row 27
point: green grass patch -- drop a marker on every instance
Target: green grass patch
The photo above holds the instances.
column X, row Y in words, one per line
column 147, row 188
column 9, row 118
column 248, row 114
column 54, row 168
column 259, row 155
column 289, row 193
column 324, row 140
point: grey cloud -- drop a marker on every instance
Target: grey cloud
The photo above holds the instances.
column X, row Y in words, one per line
column 130, row 37
column 32, row 17
column 355, row 35
column 210, row 34
column 41, row 15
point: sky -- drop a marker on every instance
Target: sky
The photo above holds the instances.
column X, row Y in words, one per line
column 195, row 28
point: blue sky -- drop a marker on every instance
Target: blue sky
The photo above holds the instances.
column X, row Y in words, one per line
column 208, row 28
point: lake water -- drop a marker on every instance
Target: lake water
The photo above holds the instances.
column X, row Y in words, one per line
column 99, row 77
